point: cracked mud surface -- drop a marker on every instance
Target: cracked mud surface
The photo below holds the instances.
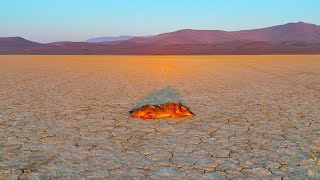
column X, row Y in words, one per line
column 67, row 117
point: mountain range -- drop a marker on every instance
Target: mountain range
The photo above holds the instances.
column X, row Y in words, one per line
column 291, row 38
column 108, row 39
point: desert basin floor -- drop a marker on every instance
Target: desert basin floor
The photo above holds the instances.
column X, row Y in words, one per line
column 67, row 116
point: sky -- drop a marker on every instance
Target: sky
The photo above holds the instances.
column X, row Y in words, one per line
column 78, row 20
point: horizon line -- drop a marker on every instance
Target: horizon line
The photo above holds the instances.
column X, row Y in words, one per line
column 146, row 36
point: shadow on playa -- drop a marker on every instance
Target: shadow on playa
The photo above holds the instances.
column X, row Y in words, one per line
column 161, row 96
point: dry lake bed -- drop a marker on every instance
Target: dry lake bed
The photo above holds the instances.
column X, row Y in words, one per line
column 67, row 117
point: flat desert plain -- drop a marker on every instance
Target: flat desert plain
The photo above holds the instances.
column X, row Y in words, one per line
column 67, row 117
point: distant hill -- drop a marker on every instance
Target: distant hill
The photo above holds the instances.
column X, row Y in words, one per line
column 291, row 32
column 15, row 45
column 291, row 38
column 108, row 39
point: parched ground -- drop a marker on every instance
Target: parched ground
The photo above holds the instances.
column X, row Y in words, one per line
column 67, row 117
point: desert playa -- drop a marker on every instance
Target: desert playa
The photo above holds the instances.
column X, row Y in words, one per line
column 67, row 116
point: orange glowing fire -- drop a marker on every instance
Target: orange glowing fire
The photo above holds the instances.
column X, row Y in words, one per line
column 170, row 109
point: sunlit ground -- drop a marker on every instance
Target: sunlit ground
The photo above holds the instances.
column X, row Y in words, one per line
column 67, row 116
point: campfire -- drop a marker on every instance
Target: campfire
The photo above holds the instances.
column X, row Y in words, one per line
column 167, row 110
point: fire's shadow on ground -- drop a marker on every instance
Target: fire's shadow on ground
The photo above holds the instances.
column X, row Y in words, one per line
column 161, row 96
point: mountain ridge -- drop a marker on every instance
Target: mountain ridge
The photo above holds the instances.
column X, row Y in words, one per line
column 111, row 38
column 290, row 38
column 281, row 33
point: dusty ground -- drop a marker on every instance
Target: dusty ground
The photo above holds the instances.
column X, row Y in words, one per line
column 67, row 116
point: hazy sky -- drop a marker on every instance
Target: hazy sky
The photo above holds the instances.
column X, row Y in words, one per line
column 78, row 20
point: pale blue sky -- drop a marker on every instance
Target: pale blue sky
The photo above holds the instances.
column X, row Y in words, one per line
column 77, row 20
